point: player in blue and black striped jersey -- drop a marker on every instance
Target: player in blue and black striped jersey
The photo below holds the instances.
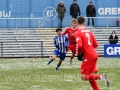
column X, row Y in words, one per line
column 61, row 43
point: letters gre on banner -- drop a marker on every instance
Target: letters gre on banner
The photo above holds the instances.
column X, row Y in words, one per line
column 108, row 11
column 112, row 50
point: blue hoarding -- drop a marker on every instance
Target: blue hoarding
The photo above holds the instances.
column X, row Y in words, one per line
column 112, row 50
column 46, row 9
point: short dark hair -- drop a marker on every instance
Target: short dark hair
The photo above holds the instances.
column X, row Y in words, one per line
column 58, row 29
column 90, row 2
column 74, row 0
column 81, row 20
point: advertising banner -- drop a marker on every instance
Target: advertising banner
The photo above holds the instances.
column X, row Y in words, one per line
column 112, row 50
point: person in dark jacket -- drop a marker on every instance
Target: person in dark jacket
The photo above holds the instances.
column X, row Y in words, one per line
column 74, row 9
column 61, row 10
column 113, row 39
column 91, row 12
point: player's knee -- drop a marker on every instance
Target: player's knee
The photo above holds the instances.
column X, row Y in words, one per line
column 53, row 57
column 73, row 54
column 83, row 78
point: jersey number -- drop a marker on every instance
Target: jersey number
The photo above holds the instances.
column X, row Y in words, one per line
column 88, row 36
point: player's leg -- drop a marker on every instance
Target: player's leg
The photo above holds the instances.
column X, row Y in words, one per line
column 58, row 65
column 87, row 69
column 52, row 59
column 55, row 54
column 73, row 49
column 90, row 77
column 92, row 82
column 71, row 58
column 94, row 85
column 69, row 48
column 62, row 57
column 90, row 70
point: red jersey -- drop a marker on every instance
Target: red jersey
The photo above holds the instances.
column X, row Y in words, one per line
column 86, row 43
column 71, row 32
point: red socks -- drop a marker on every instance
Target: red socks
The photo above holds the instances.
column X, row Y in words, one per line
column 92, row 77
column 94, row 85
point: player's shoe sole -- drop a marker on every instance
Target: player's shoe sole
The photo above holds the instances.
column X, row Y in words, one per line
column 106, row 80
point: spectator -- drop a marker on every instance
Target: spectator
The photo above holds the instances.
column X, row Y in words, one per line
column 74, row 9
column 61, row 10
column 91, row 12
column 113, row 39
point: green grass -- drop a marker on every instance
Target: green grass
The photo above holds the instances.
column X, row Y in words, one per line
column 34, row 74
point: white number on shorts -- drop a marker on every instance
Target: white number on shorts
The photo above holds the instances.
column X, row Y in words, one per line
column 88, row 36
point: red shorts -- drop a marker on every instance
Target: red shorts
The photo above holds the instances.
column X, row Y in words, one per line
column 72, row 48
column 88, row 66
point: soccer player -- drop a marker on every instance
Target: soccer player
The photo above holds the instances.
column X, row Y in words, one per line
column 61, row 43
column 87, row 43
column 71, row 31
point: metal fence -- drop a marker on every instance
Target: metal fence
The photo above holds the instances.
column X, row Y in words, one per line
column 106, row 21
column 17, row 21
column 38, row 22
column 21, row 49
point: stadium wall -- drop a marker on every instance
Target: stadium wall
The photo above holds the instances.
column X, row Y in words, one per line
column 46, row 9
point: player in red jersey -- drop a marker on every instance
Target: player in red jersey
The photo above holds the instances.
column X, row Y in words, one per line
column 71, row 31
column 87, row 43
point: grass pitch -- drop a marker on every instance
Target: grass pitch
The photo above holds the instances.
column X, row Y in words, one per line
column 34, row 74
